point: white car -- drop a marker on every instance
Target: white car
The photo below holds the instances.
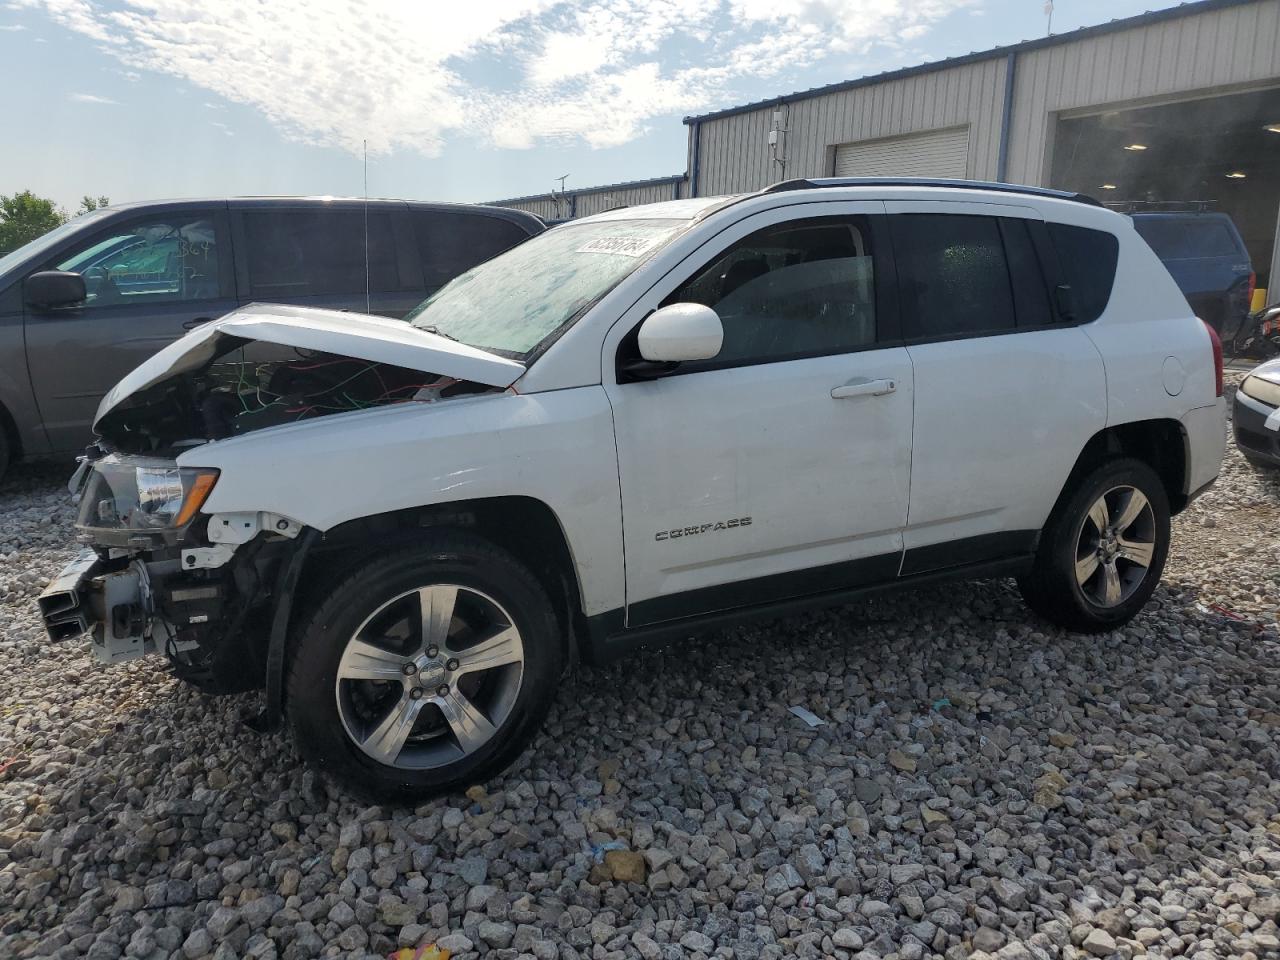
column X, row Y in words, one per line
column 633, row 425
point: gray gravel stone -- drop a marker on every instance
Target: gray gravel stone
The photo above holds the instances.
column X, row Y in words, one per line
column 983, row 782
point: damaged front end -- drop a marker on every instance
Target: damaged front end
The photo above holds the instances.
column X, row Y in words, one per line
column 160, row 574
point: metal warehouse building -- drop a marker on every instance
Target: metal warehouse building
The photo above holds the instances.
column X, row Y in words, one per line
column 1174, row 106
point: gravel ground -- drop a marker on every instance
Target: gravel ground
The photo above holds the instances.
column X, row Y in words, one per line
column 983, row 785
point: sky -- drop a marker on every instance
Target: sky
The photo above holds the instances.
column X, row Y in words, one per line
column 467, row 101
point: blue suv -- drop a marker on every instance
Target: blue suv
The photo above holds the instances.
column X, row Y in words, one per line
column 1208, row 261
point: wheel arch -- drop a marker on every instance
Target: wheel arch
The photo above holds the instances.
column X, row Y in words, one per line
column 525, row 526
column 1161, row 443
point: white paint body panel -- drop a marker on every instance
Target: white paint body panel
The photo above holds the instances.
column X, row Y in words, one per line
column 997, row 421
column 555, row 447
column 823, row 480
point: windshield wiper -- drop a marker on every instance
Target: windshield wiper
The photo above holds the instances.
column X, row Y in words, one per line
column 431, row 328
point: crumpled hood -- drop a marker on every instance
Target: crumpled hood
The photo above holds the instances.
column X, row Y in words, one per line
column 355, row 335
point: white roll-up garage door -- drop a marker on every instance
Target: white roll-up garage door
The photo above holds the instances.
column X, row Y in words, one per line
column 938, row 153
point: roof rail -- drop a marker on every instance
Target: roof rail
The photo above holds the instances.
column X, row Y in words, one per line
column 818, row 182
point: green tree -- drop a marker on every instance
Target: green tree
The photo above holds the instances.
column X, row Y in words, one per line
column 89, row 204
column 24, row 216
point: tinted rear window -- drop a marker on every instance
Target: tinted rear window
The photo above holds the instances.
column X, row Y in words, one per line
column 299, row 253
column 1088, row 262
column 1188, row 239
column 452, row 243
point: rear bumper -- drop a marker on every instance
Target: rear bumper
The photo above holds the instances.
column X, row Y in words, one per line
column 1249, row 424
column 1206, row 432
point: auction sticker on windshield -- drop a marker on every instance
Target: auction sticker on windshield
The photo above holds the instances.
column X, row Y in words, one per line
column 623, row 246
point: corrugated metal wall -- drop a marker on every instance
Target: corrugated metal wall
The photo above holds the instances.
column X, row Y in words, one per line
column 1216, row 51
column 600, row 199
column 1221, row 48
column 543, row 207
column 735, row 154
column 1237, row 45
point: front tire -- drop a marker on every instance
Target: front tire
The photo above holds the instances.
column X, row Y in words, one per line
column 1103, row 550
column 426, row 671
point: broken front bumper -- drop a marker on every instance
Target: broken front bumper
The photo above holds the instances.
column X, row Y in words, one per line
column 114, row 609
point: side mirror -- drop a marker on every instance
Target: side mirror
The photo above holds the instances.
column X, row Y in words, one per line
column 681, row 331
column 54, row 288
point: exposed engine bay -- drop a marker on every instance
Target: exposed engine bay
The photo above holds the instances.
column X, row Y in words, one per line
column 252, row 386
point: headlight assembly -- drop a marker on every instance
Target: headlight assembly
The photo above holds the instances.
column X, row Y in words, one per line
column 1263, row 390
column 135, row 494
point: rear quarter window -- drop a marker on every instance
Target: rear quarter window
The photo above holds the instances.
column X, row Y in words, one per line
column 1212, row 239
column 1087, row 259
column 450, row 244
column 1189, row 238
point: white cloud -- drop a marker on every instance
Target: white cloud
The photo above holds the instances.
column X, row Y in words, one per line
column 11, row 27
column 91, row 98
column 412, row 74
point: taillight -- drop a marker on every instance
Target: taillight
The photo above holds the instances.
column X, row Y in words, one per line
column 1217, row 356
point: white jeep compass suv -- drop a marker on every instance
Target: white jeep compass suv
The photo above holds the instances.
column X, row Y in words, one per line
column 632, row 425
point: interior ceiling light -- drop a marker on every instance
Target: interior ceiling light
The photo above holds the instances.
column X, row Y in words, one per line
column 1236, row 175
column 1136, row 146
column 1107, row 186
column 1272, row 128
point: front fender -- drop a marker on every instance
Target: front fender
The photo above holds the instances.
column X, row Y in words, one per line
column 557, row 447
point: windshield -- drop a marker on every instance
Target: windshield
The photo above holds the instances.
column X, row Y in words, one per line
column 48, row 240
column 513, row 303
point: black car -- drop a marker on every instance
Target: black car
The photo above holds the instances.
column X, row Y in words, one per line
column 1255, row 416
column 86, row 303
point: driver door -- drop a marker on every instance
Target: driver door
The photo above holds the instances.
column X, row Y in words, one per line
column 780, row 468
column 149, row 281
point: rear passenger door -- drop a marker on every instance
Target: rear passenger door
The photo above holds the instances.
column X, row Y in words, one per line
column 314, row 255
column 1007, row 387
column 451, row 242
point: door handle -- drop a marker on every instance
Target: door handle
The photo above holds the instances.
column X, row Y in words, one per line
column 862, row 387
column 195, row 322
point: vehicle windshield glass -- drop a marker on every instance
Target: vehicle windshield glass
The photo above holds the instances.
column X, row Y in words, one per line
column 49, row 240
column 513, row 303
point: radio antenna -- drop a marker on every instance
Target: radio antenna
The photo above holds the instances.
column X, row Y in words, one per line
column 368, row 305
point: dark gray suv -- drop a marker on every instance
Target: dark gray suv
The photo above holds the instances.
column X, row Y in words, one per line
column 83, row 305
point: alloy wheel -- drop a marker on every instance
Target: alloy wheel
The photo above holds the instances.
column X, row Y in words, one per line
column 1115, row 546
column 429, row 676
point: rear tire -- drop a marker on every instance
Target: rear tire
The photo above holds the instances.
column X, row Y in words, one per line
column 426, row 671
column 1103, row 550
